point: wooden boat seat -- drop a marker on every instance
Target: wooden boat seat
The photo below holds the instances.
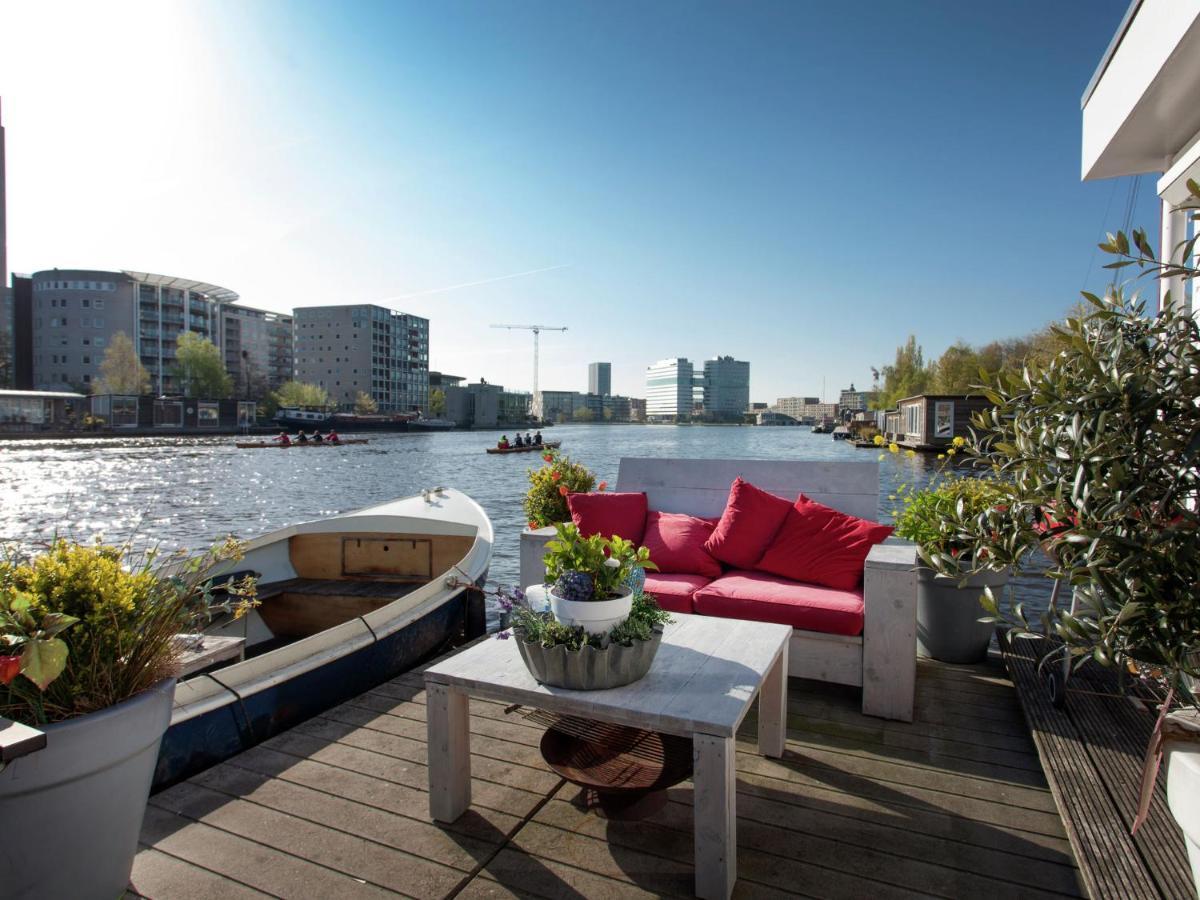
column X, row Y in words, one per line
column 299, row 607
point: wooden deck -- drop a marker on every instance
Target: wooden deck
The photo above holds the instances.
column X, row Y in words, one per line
column 953, row 805
column 1093, row 749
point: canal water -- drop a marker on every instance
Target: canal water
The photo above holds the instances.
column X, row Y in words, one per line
column 189, row 492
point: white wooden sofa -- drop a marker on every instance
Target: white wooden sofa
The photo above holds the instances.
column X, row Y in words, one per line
column 882, row 660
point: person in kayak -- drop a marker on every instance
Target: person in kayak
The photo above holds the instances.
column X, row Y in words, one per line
column 537, row 439
column 301, row 437
column 332, row 437
column 517, row 442
column 316, row 436
column 283, row 440
column 503, row 442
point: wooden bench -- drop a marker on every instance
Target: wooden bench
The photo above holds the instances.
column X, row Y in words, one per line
column 881, row 660
column 1092, row 750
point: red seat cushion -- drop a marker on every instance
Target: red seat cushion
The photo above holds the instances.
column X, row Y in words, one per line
column 751, row 518
column 820, row 545
column 674, row 591
column 676, row 544
column 608, row 514
column 766, row 598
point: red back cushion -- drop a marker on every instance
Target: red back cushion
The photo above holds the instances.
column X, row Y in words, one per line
column 676, row 544
column 751, row 518
column 608, row 514
column 820, row 545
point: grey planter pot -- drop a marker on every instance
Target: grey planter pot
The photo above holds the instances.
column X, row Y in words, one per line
column 589, row 669
column 74, row 809
column 948, row 626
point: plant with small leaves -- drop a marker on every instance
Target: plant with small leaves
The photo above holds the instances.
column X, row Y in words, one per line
column 546, row 501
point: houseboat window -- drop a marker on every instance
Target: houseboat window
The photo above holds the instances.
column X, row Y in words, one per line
column 912, row 420
column 943, row 419
column 208, row 415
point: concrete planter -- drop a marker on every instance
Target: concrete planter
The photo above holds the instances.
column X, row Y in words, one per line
column 589, row 669
column 593, row 616
column 948, row 626
column 73, row 810
column 1183, row 796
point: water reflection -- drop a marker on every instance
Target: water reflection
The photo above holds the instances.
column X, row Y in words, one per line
column 188, row 492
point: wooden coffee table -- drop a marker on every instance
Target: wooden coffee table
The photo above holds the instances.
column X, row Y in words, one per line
column 704, row 678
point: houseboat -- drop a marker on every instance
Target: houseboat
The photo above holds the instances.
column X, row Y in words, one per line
column 933, row 421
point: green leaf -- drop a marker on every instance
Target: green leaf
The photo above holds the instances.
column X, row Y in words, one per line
column 43, row 661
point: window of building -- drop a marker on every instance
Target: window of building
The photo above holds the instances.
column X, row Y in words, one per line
column 99, row 323
column 87, row 360
column 87, row 379
column 85, row 303
column 98, row 304
column 943, row 419
column 912, row 420
column 99, row 342
column 87, row 342
column 208, row 415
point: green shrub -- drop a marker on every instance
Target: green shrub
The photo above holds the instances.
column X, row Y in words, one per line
column 80, row 630
column 542, row 628
column 930, row 517
column 546, row 501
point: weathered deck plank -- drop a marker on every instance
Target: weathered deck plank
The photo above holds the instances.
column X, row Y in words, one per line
column 1092, row 750
column 952, row 805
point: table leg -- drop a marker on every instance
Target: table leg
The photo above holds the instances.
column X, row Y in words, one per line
column 448, row 728
column 715, row 811
column 772, row 709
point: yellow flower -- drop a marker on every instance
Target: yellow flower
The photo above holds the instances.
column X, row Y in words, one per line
column 893, row 448
column 941, row 456
column 951, row 452
column 959, row 441
column 910, row 453
column 881, row 456
column 879, row 440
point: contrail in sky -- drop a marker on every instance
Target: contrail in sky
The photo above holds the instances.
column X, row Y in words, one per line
column 467, row 284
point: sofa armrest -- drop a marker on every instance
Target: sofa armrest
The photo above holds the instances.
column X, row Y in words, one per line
column 18, row 740
column 890, row 630
column 533, row 551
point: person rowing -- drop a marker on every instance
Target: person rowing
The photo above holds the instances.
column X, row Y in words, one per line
column 283, row 439
column 301, row 437
column 332, row 437
column 537, row 439
column 316, row 437
column 519, row 442
column 503, row 442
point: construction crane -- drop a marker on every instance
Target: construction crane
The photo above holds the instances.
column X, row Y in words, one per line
column 536, row 329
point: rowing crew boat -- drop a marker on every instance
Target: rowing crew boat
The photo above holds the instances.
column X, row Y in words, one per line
column 529, row 448
column 268, row 445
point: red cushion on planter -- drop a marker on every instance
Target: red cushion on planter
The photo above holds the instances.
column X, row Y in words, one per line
column 751, row 518
column 607, row 513
column 822, row 546
column 676, row 544
column 674, row 591
column 766, row 598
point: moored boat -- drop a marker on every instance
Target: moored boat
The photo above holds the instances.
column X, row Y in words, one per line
column 526, row 448
column 268, row 445
column 347, row 603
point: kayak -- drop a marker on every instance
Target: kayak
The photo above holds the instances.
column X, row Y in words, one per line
column 534, row 448
column 272, row 445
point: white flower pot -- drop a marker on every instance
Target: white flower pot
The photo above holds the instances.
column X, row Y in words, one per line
column 593, row 616
column 1183, row 795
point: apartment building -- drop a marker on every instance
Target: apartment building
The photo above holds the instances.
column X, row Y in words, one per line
column 670, row 390
column 726, row 388
column 363, row 347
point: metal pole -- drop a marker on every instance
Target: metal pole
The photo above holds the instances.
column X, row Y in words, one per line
column 535, row 361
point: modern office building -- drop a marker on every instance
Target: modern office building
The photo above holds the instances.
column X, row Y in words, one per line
column 600, row 378
column 348, row 349
column 557, row 406
column 257, row 347
column 670, row 393
column 77, row 312
column 726, row 388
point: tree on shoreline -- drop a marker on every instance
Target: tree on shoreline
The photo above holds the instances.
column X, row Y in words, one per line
column 121, row 372
column 200, row 368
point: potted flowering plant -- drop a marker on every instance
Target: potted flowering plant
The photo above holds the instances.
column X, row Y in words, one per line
column 546, row 501
column 588, row 578
column 88, row 652
column 952, row 625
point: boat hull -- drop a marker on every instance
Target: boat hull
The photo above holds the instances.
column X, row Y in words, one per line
column 271, row 445
column 211, row 737
column 548, row 445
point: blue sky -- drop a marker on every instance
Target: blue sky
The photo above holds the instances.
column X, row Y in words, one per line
column 797, row 184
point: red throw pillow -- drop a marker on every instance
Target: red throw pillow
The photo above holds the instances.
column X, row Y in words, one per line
column 820, row 545
column 676, row 544
column 751, row 518
column 608, row 514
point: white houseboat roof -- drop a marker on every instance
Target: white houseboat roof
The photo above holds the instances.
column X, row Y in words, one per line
column 41, row 395
column 1141, row 110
